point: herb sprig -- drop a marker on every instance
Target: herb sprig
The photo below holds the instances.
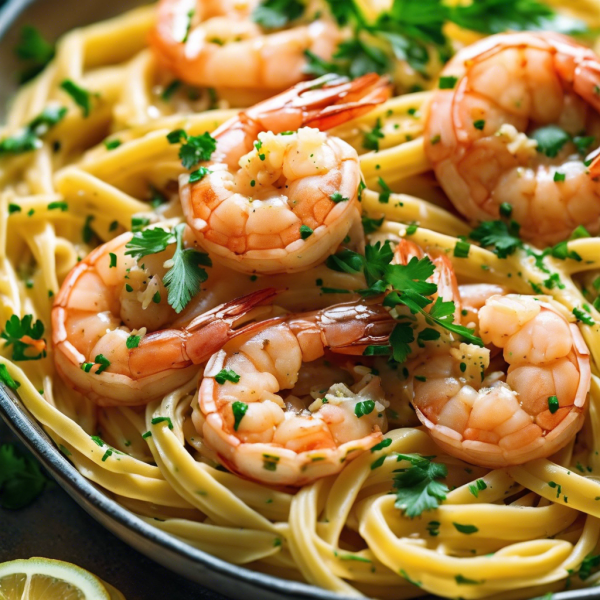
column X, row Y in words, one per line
column 183, row 279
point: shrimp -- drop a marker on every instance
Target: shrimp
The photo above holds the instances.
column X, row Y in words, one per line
column 496, row 419
column 216, row 44
column 290, row 441
column 285, row 202
column 118, row 343
column 476, row 134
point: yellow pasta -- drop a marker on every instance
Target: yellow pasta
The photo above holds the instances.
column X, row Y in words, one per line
column 533, row 525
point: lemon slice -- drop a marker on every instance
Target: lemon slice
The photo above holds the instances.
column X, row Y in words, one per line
column 47, row 579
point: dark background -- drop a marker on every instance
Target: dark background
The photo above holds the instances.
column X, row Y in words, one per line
column 54, row 526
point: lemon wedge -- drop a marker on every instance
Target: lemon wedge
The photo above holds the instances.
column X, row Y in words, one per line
column 47, row 579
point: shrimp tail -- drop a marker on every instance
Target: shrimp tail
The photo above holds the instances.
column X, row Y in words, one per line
column 209, row 332
column 322, row 103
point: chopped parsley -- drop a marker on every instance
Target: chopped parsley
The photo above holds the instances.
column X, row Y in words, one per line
column 25, row 337
column 371, row 140
column 462, row 580
column 194, row 149
column 239, row 410
column 504, row 237
column 466, row 529
column 113, row 260
column 583, row 316
column 227, row 375
column 167, row 420
column 447, row 82
column 198, row 174
column 419, row 488
column 305, row 232
column 112, row 144
column 553, row 405
column 363, row 408
column 132, row 341
column 371, row 225
column 29, row 137
column 461, row 249
column 336, row 197
column 382, row 444
column 478, row 486
column 80, row 96
column 384, row 195
column 550, row 139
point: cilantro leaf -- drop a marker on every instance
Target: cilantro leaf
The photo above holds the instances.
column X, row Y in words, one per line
column 21, row 480
column 25, row 336
column 497, row 233
column 275, row 14
column 185, row 276
column 418, row 488
column 80, row 96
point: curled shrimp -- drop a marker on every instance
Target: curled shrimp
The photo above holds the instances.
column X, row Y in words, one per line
column 479, row 413
column 476, row 134
column 292, row 440
column 216, row 44
column 118, row 342
column 285, row 202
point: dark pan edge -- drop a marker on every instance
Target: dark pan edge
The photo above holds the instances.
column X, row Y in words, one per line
column 122, row 522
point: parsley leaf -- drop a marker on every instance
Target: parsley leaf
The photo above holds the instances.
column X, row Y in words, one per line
column 34, row 49
column 583, row 316
column 149, row 241
column 239, row 410
column 185, row 276
column 183, row 279
column 194, row 149
column 25, row 336
column 418, row 488
column 400, row 339
column 21, row 480
column 497, row 233
column 275, row 14
column 590, row 564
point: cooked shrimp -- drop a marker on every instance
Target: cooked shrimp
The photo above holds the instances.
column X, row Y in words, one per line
column 476, row 134
column 100, row 311
column 291, row 441
column 216, row 44
column 284, row 201
column 495, row 419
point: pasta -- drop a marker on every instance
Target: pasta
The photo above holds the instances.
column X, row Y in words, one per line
column 530, row 527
